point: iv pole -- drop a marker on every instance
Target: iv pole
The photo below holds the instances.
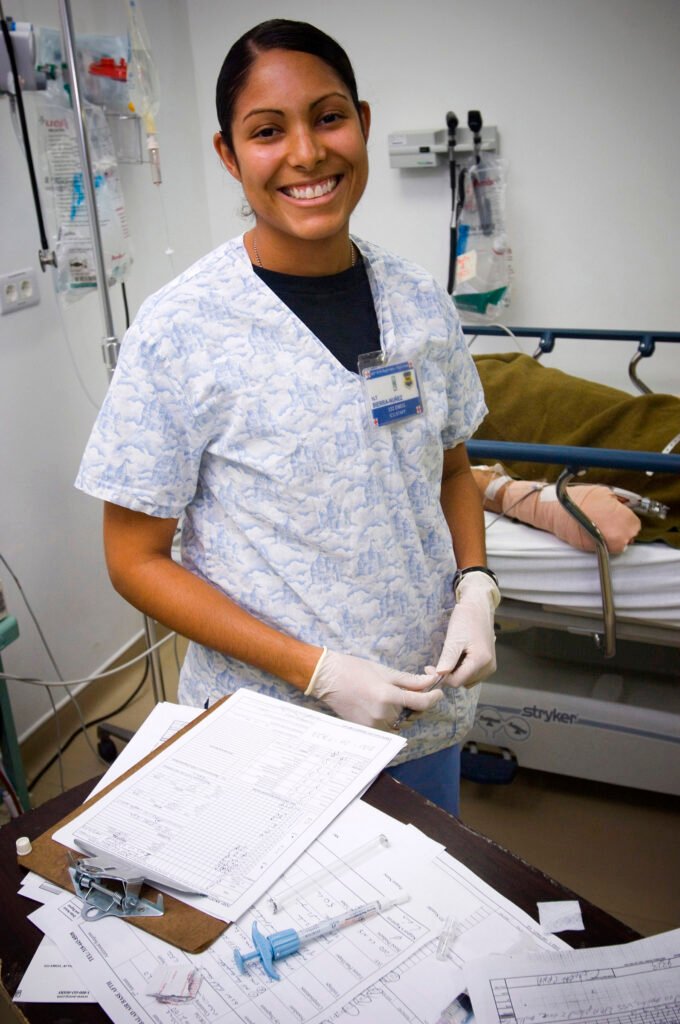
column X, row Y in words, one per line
column 110, row 343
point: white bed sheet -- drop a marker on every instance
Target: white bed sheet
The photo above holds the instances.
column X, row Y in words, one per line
column 537, row 567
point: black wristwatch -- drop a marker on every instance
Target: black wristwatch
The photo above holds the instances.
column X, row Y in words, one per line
column 460, row 573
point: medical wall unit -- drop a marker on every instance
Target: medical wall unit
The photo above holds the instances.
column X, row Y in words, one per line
column 430, row 147
column 480, row 268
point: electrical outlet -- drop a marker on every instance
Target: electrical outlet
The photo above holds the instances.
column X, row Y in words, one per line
column 18, row 290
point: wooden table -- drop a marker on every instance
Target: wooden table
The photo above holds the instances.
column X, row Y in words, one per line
column 509, row 875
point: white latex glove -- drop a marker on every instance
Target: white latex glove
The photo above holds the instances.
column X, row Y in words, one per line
column 368, row 693
column 470, row 643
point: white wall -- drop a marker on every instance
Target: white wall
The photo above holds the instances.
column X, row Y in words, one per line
column 50, row 533
column 585, row 96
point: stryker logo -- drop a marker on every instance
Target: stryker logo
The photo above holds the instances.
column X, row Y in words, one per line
column 553, row 715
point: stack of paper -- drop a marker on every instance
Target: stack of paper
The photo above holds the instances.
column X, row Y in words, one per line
column 382, row 969
column 235, row 800
column 386, row 968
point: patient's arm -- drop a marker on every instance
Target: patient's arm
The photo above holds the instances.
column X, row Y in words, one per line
column 536, row 503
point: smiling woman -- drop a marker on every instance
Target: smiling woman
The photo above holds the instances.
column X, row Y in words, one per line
column 300, row 399
column 296, row 140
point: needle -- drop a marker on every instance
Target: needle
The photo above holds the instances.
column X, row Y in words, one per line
column 406, row 713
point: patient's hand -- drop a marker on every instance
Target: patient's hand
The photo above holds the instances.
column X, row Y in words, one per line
column 536, row 503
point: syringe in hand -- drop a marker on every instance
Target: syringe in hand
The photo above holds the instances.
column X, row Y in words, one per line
column 282, row 944
column 333, row 870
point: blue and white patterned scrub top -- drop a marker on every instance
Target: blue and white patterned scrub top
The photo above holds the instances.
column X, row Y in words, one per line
column 227, row 411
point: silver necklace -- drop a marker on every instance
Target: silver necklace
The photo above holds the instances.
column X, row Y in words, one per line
column 352, row 252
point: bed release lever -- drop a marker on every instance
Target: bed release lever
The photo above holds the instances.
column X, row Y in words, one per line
column 607, row 641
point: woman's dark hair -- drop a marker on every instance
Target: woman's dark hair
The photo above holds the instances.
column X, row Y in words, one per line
column 277, row 34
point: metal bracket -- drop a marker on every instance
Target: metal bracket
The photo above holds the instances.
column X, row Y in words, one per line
column 108, row 889
column 645, row 349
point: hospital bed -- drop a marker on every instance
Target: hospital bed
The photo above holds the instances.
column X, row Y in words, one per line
column 588, row 680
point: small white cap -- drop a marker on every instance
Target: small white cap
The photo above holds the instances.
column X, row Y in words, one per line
column 23, row 846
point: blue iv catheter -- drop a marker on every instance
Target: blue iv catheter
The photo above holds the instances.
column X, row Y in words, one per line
column 282, row 944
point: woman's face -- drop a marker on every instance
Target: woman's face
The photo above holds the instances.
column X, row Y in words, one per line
column 299, row 150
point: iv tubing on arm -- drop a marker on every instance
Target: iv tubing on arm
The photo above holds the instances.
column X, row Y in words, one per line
column 535, row 503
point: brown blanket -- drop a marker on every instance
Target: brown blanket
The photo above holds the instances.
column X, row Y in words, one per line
column 534, row 404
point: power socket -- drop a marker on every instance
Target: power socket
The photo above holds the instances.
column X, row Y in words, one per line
column 18, row 291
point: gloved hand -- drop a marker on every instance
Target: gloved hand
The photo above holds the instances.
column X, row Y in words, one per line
column 368, row 693
column 470, row 643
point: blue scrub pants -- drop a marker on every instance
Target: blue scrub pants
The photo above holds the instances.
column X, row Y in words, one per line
column 436, row 777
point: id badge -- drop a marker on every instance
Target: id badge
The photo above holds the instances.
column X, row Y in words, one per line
column 391, row 389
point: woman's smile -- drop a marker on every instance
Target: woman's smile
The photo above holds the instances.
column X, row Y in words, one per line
column 315, row 190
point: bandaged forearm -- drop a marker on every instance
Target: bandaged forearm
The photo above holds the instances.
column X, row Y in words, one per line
column 536, row 504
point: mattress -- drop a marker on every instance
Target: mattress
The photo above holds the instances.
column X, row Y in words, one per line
column 536, row 567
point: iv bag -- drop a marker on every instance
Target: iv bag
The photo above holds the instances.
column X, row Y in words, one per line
column 62, row 181
column 102, row 66
column 143, row 85
column 483, row 253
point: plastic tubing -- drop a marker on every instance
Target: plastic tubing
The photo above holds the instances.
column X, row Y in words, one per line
column 332, row 870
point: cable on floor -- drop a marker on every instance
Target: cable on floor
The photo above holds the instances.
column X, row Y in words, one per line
column 88, row 725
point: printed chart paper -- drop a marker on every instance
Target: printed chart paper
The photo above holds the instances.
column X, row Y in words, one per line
column 119, row 961
column 626, row 984
column 49, row 978
column 163, row 721
column 228, row 806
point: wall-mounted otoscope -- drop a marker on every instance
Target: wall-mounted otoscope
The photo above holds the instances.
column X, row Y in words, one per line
column 456, row 197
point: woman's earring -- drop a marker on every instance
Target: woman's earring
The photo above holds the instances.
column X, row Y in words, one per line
column 246, row 211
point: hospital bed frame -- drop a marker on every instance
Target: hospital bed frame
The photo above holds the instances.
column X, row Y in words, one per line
column 574, row 459
column 606, row 740
column 547, row 336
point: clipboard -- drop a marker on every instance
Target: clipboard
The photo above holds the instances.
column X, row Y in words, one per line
column 181, row 925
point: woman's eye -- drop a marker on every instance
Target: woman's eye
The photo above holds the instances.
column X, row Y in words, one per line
column 330, row 118
column 266, row 133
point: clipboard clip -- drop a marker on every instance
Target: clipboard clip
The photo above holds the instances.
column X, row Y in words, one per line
column 108, row 889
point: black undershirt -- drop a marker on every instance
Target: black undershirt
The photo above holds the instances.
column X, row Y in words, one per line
column 337, row 308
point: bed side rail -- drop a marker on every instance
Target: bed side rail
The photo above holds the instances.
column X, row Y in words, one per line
column 573, row 459
column 547, row 336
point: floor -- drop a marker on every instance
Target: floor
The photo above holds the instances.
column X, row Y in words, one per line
column 618, row 848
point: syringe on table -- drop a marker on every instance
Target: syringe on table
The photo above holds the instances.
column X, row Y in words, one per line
column 282, row 944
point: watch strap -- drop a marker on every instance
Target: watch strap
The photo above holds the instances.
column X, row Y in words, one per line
column 460, row 573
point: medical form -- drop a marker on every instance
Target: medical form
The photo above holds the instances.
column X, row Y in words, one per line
column 232, row 802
